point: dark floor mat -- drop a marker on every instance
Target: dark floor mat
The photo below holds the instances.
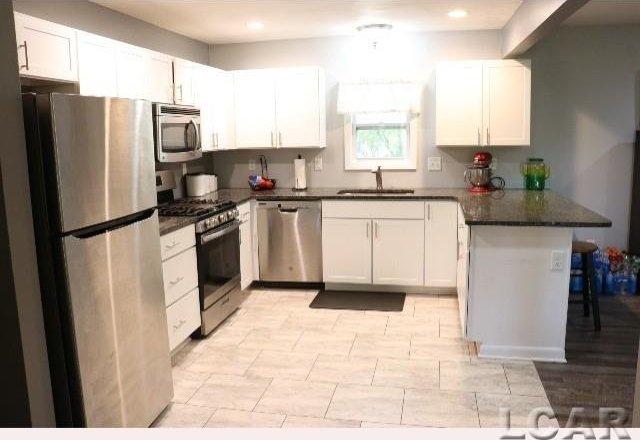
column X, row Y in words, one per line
column 347, row 300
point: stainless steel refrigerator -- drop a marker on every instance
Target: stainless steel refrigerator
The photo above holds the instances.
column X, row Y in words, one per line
column 92, row 178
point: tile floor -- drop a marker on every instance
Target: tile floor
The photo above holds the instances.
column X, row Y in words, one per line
column 277, row 363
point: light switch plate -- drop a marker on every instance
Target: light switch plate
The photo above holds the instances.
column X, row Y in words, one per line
column 494, row 163
column 434, row 163
column 317, row 163
column 557, row 260
column 252, row 164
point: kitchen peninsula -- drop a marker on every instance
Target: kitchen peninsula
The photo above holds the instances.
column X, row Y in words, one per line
column 513, row 304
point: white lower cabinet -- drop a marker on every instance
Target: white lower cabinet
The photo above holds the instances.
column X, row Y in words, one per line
column 398, row 252
column 462, row 272
column 373, row 242
column 180, row 276
column 183, row 317
column 246, row 246
column 441, row 236
column 346, row 250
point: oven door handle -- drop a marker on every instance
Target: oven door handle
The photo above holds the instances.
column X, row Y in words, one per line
column 205, row 238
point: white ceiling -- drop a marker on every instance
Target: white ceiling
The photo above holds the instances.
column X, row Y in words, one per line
column 224, row 21
column 606, row 12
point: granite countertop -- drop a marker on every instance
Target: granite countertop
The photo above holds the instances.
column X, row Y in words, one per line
column 511, row 207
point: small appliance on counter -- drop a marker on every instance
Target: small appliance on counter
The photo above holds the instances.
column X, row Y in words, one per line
column 535, row 173
column 262, row 182
column 199, row 184
column 480, row 175
column 300, row 174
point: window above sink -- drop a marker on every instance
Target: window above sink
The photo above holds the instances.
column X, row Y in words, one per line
column 388, row 140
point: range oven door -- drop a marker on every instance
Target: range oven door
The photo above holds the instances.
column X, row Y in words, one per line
column 218, row 262
column 177, row 137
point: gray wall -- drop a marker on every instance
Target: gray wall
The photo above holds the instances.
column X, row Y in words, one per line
column 25, row 370
column 339, row 57
column 90, row 17
column 583, row 114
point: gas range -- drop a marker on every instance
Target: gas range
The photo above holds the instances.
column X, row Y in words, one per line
column 214, row 213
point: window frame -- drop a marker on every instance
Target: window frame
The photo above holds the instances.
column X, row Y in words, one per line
column 352, row 163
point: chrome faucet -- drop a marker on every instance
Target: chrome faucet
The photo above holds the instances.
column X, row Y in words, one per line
column 378, row 174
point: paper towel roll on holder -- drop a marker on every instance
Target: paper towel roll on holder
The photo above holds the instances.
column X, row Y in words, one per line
column 300, row 175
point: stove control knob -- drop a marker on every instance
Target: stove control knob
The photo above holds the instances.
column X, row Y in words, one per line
column 222, row 217
column 214, row 221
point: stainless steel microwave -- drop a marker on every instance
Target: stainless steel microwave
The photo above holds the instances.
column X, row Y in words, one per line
column 176, row 132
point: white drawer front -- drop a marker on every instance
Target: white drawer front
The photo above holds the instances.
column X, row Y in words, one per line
column 183, row 317
column 401, row 209
column 175, row 242
column 180, row 275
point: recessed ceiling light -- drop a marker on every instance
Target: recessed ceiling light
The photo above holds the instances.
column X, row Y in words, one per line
column 255, row 25
column 457, row 13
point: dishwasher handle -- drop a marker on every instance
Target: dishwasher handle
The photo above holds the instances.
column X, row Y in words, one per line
column 288, row 210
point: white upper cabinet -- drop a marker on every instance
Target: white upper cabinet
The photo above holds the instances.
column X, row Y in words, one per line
column 97, row 70
column 203, row 97
column 440, row 238
column 282, row 108
column 300, row 111
column 483, row 103
column 507, row 102
column 46, row 50
column 183, row 81
column 398, row 252
column 459, row 103
column 213, row 95
column 160, row 79
column 132, row 71
column 255, row 109
column 222, row 104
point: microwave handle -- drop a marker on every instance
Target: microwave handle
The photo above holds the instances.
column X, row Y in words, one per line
column 195, row 126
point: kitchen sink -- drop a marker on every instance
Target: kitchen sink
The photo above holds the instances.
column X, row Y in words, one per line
column 376, row 191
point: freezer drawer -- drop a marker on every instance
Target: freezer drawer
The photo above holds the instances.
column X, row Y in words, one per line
column 290, row 241
column 119, row 324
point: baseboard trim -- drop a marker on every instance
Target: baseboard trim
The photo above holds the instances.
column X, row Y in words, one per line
column 391, row 289
column 544, row 354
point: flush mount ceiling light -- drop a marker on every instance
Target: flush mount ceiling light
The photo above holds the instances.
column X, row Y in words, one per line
column 374, row 32
column 457, row 13
column 255, row 25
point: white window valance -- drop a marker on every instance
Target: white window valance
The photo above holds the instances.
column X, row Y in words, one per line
column 378, row 96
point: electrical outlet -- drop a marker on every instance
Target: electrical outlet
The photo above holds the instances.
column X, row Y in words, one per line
column 434, row 163
column 252, row 164
column 494, row 163
column 557, row 260
column 317, row 163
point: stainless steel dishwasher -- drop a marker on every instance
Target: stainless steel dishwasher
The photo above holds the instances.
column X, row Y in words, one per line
column 290, row 241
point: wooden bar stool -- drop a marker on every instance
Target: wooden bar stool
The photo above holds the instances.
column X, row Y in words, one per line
column 589, row 294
